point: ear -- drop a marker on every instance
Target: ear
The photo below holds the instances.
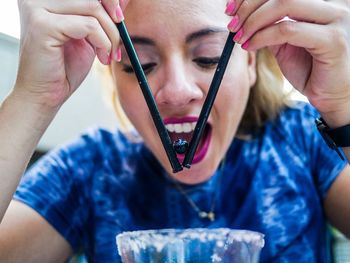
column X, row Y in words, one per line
column 252, row 68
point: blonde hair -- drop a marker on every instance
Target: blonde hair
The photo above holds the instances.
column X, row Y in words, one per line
column 111, row 97
column 266, row 99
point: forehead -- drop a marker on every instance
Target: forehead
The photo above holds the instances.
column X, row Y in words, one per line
column 175, row 17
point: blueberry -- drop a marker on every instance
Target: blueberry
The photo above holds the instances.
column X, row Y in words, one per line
column 180, row 146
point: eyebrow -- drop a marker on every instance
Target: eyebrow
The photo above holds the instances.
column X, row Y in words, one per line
column 191, row 37
column 204, row 32
column 142, row 41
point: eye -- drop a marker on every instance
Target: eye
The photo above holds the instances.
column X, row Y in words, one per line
column 147, row 68
column 207, row 63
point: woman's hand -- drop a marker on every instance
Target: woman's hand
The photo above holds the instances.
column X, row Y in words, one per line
column 59, row 41
column 311, row 41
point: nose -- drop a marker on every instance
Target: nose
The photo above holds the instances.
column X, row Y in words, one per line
column 177, row 87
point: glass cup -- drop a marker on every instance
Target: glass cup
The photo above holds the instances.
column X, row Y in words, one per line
column 197, row 245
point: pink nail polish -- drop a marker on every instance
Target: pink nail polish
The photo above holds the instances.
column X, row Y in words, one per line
column 109, row 59
column 238, row 35
column 245, row 45
column 115, row 55
column 119, row 55
column 119, row 14
column 230, row 8
column 234, row 22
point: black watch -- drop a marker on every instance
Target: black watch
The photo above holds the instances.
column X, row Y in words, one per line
column 338, row 137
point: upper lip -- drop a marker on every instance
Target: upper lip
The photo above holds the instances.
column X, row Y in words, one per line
column 175, row 120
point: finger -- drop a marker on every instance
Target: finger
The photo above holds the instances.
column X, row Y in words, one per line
column 113, row 9
column 299, row 10
column 310, row 36
column 342, row 2
column 90, row 8
column 232, row 6
column 85, row 27
column 242, row 12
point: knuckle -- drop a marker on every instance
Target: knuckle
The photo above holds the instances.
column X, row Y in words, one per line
column 93, row 6
column 37, row 20
column 286, row 28
column 342, row 13
column 92, row 24
column 339, row 37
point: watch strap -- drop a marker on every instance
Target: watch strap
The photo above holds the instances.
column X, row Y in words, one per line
column 341, row 135
column 334, row 139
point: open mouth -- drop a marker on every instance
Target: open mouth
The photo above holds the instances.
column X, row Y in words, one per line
column 183, row 128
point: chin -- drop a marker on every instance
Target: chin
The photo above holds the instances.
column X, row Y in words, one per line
column 198, row 173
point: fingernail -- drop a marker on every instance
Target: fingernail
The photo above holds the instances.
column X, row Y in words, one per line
column 109, row 59
column 245, row 45
column 119, row 14
column 238, row 35
column 234, row 22
column 230, row 7
column 104, row 57
column 119, row 54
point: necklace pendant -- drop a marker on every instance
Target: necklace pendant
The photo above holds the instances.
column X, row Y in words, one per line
column 210, row 215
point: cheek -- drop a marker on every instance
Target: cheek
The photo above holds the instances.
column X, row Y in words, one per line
column 132, row 102
column 234, row 94
column 237, row 82
column 231, row 103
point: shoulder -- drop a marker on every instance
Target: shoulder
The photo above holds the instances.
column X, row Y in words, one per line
column 95, row 149
column 295, row 125
column 293, row 138
column 297, row 115
column 97, row 142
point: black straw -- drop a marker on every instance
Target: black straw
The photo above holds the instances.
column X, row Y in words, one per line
column 209, row 101
column 147, row 93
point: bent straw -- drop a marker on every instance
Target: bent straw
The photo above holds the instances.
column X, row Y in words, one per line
column 209, row 101
column 157, row 119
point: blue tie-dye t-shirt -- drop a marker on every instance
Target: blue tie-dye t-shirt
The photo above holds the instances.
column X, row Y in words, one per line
column 102, row 184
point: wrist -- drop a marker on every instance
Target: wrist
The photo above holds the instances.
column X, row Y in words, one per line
column 37, row 104
column 33, row 114
column 337, row 118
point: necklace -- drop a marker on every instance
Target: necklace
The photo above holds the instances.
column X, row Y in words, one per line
column 202, row 214
column 210, row 215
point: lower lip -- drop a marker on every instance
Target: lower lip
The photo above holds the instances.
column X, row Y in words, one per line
column 199, row 156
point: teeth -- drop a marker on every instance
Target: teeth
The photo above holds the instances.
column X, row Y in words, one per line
column 187, row 127
column 170, row 127
column 194, row 125
column 181, row 127
column 178, row 128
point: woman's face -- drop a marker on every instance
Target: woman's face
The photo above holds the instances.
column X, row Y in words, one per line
column 179, row 44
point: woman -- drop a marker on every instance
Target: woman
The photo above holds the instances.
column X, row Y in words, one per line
column 260, row 166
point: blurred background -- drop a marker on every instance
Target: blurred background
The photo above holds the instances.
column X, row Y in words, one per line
column 87, row 107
